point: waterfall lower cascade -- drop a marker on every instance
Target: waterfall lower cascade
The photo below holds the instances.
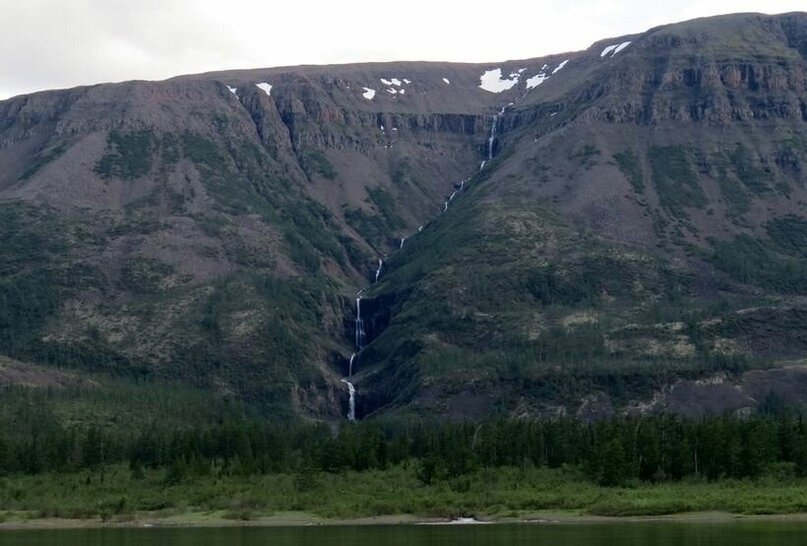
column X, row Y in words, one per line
column 360, row 334
column 351, row 408
column 351, row 389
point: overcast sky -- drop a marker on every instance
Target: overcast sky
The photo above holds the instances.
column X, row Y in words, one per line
column 48, row 44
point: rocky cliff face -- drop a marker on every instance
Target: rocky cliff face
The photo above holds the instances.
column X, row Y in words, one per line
column 214, row 228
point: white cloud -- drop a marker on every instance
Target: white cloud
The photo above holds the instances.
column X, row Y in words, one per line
column 58, row 43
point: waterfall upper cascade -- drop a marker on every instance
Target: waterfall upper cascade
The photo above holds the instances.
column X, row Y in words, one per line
column 492, row 136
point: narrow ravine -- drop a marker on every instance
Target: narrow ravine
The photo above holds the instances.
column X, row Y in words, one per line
column 359, row 322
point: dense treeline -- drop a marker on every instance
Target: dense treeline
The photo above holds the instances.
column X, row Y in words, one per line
column 610, row 453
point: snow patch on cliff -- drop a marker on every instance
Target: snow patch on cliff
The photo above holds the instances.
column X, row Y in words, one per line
column 536, row 80
column 265, row 87
column 560, row 66
column 493, row 82
column 614, row 49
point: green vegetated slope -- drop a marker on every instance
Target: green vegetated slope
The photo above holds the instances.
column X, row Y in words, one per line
column 641, row 225
column 650, row 240
column 211, row 306
column 213, row 238
column 506, row 302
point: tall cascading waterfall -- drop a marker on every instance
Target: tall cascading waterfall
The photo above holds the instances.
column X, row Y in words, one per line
column 360, row 334
column 492, row 137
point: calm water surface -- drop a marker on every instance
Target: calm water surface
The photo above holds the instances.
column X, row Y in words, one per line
column 613, row 534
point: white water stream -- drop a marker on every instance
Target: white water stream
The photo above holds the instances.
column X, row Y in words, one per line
column 359, row 323
column 492, row 136
column 378, row 271
column 351, row 411
column 360, row 334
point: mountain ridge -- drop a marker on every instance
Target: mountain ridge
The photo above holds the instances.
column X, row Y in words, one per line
column 207, row 230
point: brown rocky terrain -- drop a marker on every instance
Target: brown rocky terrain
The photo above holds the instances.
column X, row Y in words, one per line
column 639, row 226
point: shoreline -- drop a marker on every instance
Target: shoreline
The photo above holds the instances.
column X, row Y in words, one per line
column 189, row 520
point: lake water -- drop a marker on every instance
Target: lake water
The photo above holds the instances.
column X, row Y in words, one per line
column 608, row 534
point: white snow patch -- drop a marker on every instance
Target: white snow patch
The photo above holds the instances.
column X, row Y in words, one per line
column 621, row 46
column 368, row 93
column 393, row 81
column 560, row 66
column 614, row 49
column 407, row 82
column 392, row 90
column 536, row 80
column 402, row 91
column 608, row 50
column 492, row 81
column 265, row 87
column 522, row 70
column 232, row 90
column 446, row 81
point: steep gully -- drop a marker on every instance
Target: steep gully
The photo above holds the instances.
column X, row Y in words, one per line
column 359, row 322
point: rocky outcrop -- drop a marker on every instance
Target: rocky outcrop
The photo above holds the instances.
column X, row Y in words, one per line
column 723, row 394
